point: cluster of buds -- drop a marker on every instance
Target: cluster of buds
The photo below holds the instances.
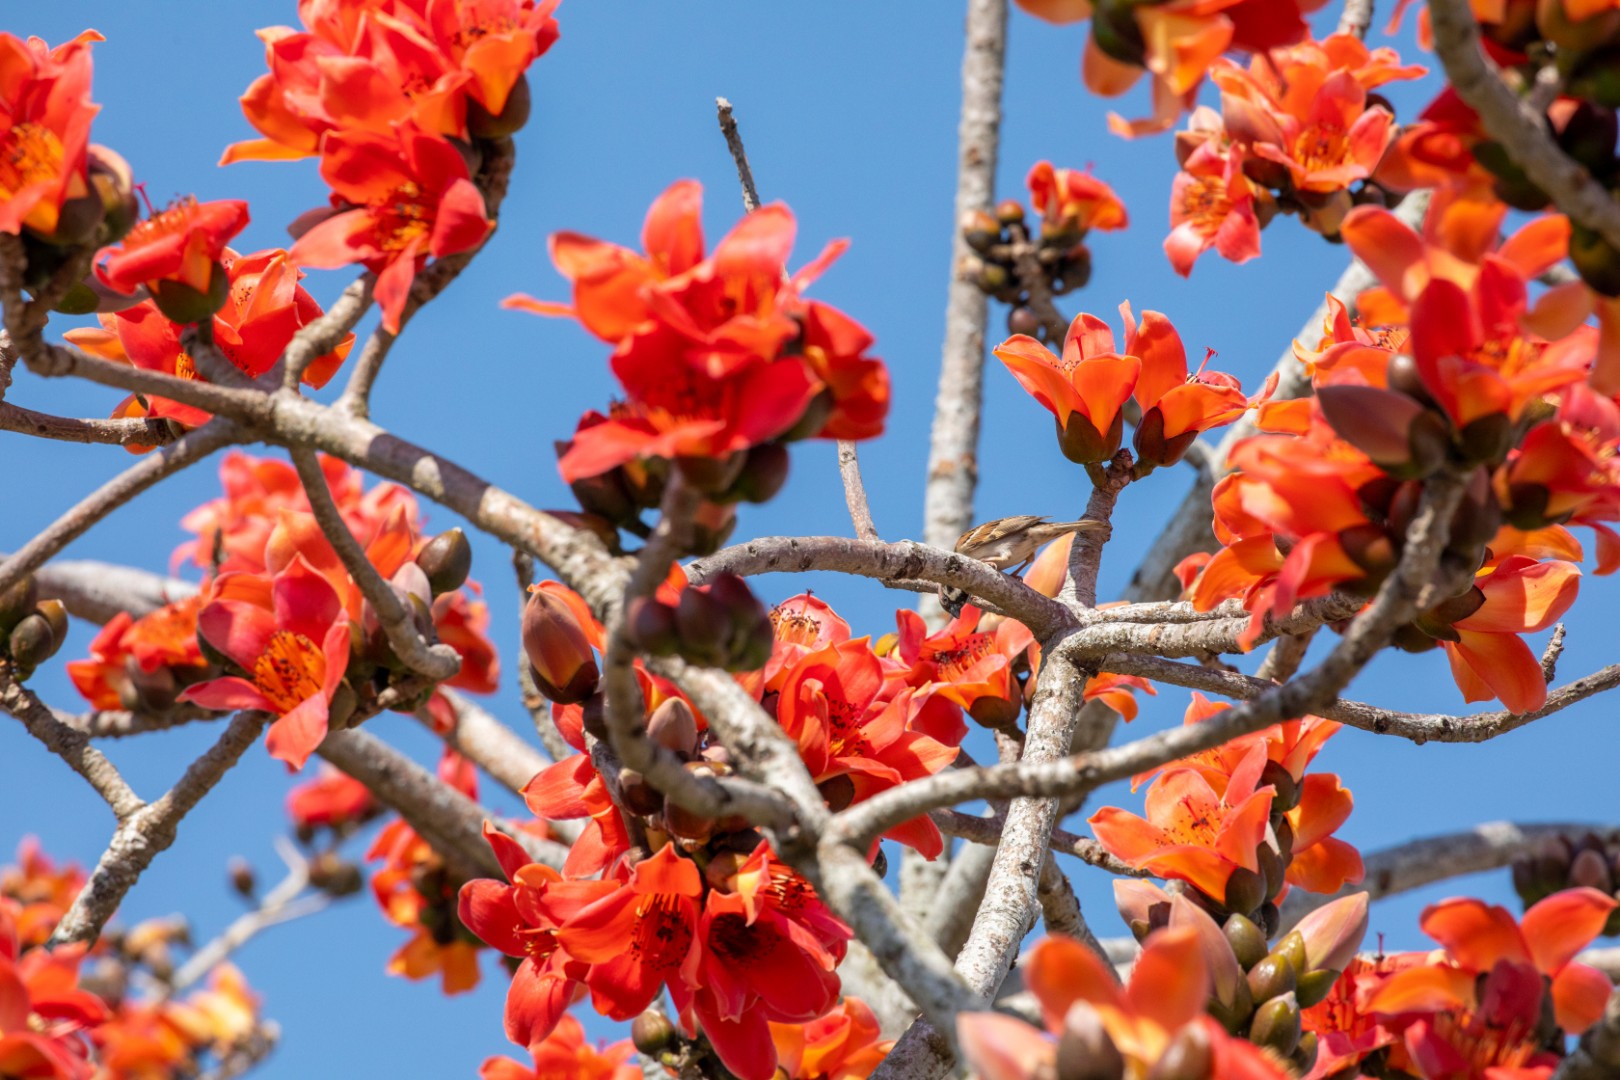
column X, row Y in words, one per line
column 1023, row 265
column 30, row 628
column 616, row 498
column 721, row 624
column 1557, row 863
column 724, row 843
column 1258, row 989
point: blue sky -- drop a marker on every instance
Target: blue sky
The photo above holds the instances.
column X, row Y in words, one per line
column 849, row 111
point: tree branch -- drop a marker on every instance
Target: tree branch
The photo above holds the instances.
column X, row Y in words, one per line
column 72, row 746
column 860, row 511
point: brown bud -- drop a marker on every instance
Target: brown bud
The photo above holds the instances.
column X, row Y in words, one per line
column 606, row 495
column 483, row 124
column 1021, row 320
column 763, row 473
column 16, row 601
column 446, row 560
column 242, row 877
column 1084, row 1050
column 1188, row 1057
column 560, row 654
column 686, row 825
column 839, row 791
column 704, row 628
column 31, row 643
column 652, row 1033
column 1248, row 943
column 712, row 526
column 1276, row 1025
column 1591, row 869
column 710, row 475
column 640, row 797
column 674, row 726
column 1245, row 891
column 1009, row 211
column 1272, row 977
column 981, row 230
column 651, row 626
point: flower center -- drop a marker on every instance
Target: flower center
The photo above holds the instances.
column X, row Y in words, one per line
column 290, row 670
column 29, row 153
column 663, row 936
column 172, row 220
column 1321, row 146
column 954, row 663
column 795, row 627
column 402, row 218
column 1205, row 203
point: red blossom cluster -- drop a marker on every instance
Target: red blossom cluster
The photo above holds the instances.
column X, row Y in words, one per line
column 1298, row 128
column 1452, row 367
column 280, row 625
column 720, row 356
column 66, row 1013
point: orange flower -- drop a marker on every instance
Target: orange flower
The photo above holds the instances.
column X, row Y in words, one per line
column 40, row 892
column 1346, row 1031
column 448, row 68
column 845, row 1044
column 289, row 632
column 45, row 115
column 397, row 199
column 1477, row 1014
column 142, row 662
column 1516, row 596
column 1159, row 1011
column 42, row 1015
column 565, row 1053
column 968, row 666
column 1194, row 834
column 1072, row 201
column 1212, row 204
column 1084, row 389
column 176, row 253
column 1176, row 406
column 333, row 800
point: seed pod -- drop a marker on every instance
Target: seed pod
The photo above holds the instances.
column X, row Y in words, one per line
column 674, row 726
column 446, row 560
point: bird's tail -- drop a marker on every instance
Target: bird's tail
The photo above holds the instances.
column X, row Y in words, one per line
column 1064, row 528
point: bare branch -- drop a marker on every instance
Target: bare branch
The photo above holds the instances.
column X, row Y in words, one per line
column 1516, row 124
column 491, row 745
column 1356, row 18
column 860, row 511
column 734, row 143
column 436, row 662
column 322, row 336
column 149, row 830
column 114, row 493
column 1417, row 863
column 953, row 468
column 134, row 431
column 71, row 746
column 987, row 830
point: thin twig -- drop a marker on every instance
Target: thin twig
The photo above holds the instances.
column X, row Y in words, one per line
column 323, row 335
column 860, row 511
column 72, row 746
column 734, row 143
column 437, row 662
column 133, row 431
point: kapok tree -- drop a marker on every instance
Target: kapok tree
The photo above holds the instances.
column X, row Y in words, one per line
column 722, row 776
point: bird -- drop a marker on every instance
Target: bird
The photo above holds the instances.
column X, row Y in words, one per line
column 1010, row 542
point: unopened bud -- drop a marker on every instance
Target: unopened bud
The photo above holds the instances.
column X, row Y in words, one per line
column 1009, row 211
column 1292, row 949
column 839, row 791
column 1276, row 1025
column 1591, row 869
column 1315, row 986
column 1272, row 977
column 446, row 560
column 1021, row 320
column 1084, row 1050
column 711, row 475
column 640, row 797
column 19, row 599
column 704, row 628
column 673, row 725
column 242, row 877
column 652, row 1033
column 763, row 473
column 1248, row 943
column 31, row 643
column 563, row 665
column 1245, row 891
column 981, row 230
column 651, row 626
column 1188, row 1057
column 712, row 525
column 55, row 613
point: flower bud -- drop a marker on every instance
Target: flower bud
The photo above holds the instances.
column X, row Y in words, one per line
column 1009, row 211
column 446, row 560
column 1276, row 1025
column 32, row 642
column 640, row 797
column 1387, row 426
column 1084, row 1050
column 1596, row 262
column 1314, row 987
column 1304, row 1058
column 19, row 599
column 712, row 526
column 711, row 475
column 652, row 1033
column 704, row 628
column 114, row 183
column 673, row 726
column 1021, row 320
column 651, row 626
column 1272, row 977
column 606, row 495
column 242, row 877
column 752, row 634
column 1083, row 444
column 483, row 124
column 1245, row 891
column 1188, row 1057
column 992, row 278
column 839, row 791
column 1292, row 949
column 1248, row 943
column 559, row 653
column 180, row 303
column 55, row 613
column 981, row 230
column 764, row 472
column 149, row 691
column 1272, row 868
column 1333, row 932
column 1591, row 869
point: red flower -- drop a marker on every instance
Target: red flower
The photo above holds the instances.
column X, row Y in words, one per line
column 39, row 892
column 1074, row 201
column 180, row 245
column 398, row 198
column 1084, row 390
column 140, row 661
column 41, row 1013
column 1212, row 204
column 332, row 800
column 1488, row 658
column 964, row 665
column 289, row 632
column 565, row 1053
column 45, row 115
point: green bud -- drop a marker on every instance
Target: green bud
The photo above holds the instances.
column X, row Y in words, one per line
column 1314, row 987
column 31, row 643
column 1248, row 943
column 1276, row 1025
column 1245, row 891
column 1272, row 977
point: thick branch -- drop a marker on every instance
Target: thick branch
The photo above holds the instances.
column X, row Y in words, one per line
column 1516, row 124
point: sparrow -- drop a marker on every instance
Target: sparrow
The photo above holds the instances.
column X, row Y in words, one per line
column 1010, row 542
